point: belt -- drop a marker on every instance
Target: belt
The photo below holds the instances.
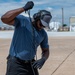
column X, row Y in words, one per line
column 20, row 60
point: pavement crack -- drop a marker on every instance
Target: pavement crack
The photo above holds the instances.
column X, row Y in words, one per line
column 62, row 62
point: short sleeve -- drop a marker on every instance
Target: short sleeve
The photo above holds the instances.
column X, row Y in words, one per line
column 20, row 20
column 44, row 43
column 17, row 20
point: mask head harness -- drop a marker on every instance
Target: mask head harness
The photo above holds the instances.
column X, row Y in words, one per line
column 44, row 16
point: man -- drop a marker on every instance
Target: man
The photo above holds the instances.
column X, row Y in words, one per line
column 27, row 37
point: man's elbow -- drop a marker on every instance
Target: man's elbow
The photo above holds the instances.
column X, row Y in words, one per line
column 4, row 19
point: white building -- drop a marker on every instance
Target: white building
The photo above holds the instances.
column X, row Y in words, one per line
column 72, row 23
column 54, row 26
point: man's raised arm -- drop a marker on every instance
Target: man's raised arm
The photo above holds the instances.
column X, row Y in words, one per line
column 8, row 17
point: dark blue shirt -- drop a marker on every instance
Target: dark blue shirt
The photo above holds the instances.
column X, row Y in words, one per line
column 25, row 40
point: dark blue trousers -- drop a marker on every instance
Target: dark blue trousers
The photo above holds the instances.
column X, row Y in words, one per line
column 17, row 67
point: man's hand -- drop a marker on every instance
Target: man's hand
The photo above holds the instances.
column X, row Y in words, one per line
column 29, row 5
column 39, row 63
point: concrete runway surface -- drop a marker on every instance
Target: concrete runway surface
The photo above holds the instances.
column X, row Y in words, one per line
column 61, row 60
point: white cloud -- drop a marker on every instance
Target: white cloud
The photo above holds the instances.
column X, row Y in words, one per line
column 49, row 8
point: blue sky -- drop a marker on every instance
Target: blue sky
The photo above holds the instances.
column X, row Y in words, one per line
column 54, row 6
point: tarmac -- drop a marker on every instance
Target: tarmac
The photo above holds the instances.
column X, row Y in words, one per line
column 60, row 62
